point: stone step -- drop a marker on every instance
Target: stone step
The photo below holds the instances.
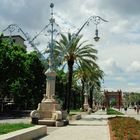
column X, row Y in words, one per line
column 46, row 122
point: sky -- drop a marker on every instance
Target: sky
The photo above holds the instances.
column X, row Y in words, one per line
column 119, row 45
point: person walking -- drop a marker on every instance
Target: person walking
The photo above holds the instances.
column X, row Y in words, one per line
column 138, row 108
column 135, row 108
column 125, row 109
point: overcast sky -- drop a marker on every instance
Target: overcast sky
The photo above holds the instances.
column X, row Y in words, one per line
column 119, row 46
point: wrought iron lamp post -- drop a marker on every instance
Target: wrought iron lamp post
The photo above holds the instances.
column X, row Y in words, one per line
column 95, row 19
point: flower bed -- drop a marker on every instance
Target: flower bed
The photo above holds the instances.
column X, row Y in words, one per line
column 124, row 128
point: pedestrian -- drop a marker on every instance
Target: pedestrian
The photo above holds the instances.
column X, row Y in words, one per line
column 138, row 108
column 103, row 108
column 125, row 109
column 135, row 108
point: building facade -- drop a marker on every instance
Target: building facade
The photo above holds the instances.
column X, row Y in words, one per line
column 17, row 39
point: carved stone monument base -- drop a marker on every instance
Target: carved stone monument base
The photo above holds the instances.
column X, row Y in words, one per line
column 49, row 113
column 86, row 106
column 49, row 110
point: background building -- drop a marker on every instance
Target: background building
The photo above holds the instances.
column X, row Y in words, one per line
column 17, row 39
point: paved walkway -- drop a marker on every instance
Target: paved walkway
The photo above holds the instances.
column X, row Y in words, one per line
column 90, row 127
column 15, row 120
column 131, row 113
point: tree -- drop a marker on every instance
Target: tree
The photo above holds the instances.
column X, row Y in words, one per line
column 11, row 67
column 4, row 68
column 95, row 83
column 61, row 84
column 35, row 79
column 28, row 86
column 75, row 53
column 22, row 75
column 90, row 78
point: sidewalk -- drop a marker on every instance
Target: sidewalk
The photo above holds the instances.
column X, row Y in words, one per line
column 131, row 113
column 90, row 127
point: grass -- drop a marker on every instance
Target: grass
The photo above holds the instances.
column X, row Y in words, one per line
column 6, row 127
column 124, row 128
column 111, row 111
column 74, row 112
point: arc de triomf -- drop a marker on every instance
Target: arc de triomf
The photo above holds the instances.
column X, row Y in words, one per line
column 113, row 98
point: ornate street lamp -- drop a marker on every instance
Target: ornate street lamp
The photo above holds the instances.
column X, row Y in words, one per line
column 95, row 19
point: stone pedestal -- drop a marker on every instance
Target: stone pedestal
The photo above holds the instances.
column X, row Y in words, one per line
column 49, row 110
column 86, row 105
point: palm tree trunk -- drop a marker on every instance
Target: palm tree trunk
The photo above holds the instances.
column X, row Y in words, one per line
column 70, row 67
column 82, row 93
column 91, row 97
column 66, row 96
column 74, row 100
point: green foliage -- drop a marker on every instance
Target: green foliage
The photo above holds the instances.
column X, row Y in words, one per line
column 131, row 98
column 6, row 128
column 22, row 76
column 113, row 102
column 61, row 84
column 75, row 110
column 61, row 89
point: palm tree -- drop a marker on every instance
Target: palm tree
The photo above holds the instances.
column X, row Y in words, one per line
column 95, row 83
column 75, row 53
column 91, row 78
column 81, row 75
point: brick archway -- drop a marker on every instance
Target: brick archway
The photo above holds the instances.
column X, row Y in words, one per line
column 115, row 97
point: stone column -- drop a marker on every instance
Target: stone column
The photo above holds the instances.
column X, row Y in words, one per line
column 93, row 100
column 86, row 106
column 50, row 84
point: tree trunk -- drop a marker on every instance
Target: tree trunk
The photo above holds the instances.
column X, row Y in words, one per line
column 82, row 93
column 91, row 97
column 65, row 96
column 70, row 67
column 74, row 100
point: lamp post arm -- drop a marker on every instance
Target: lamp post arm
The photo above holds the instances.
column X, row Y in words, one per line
column 102, row 19
column 81, row 28
column 95, row 19
column 13, row 27
column 40, row 32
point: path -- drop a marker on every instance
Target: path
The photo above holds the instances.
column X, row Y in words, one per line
column 131, row 113
column 15, row 120
column 90, row 127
